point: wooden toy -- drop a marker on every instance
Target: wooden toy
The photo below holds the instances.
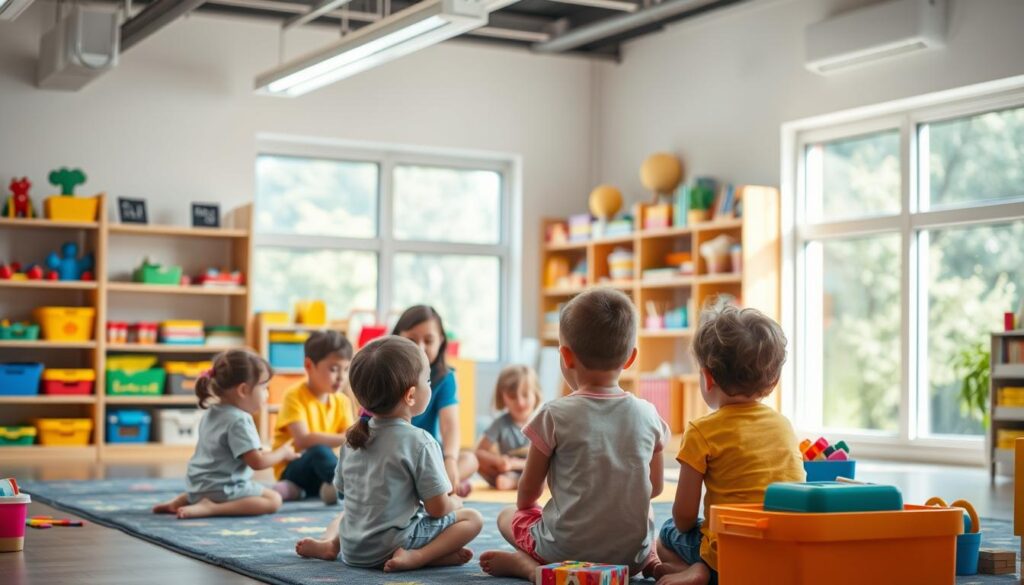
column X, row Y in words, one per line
column 19, row 204
column 996, row 562
column 68, row 266
column 569, row 572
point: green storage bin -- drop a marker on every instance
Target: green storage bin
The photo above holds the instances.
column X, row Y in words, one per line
column 22, row 331
column 18, row 435
column 157, row 274
column 136, row 382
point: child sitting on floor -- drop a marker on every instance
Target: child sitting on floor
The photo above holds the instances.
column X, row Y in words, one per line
column 315, row 415
column 219, row 478
column 503, row 448
column 599, row 448
column 398, row 514
column 735, row 451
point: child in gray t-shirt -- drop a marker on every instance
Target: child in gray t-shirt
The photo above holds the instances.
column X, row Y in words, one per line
column 399, row 514
column 503, row 448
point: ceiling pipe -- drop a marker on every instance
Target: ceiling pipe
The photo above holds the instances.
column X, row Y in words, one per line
column 617, row 25
column 154, row 17
column 322, row 8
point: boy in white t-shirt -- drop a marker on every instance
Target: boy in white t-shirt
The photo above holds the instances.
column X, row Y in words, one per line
column 599, row 449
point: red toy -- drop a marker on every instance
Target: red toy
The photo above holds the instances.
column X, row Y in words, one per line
column 19, row 204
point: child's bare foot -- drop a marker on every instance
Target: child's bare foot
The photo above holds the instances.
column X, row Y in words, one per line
column 505, row 564
column 650, row 569
column 311, row 548
column 460, row 557
column 663, row 569
column 200, row 509
column 404, row 560
column 463, row 489
column 696, row 574
column 505, row 482
column 170, row 507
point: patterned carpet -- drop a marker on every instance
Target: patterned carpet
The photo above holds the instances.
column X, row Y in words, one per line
column 263, row 548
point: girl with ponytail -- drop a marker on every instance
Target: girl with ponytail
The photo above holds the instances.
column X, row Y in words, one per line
column 219, row 478
column 398, row 513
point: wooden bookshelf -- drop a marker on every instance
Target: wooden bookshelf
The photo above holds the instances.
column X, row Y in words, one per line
column 756, row 284
column 1003, row 374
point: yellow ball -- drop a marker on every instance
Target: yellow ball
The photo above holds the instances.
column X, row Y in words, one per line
column 661, row 172
column 605, row 201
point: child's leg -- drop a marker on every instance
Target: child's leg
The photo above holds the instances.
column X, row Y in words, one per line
column 679, row 553
column 505, row 524
column 514, row 526
column 267, row 502
column 171, row 506
column 313, row 469
column 446, row 549
column 508, row 481
column 327, row 547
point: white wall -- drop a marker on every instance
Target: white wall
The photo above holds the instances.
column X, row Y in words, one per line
column 716, row 89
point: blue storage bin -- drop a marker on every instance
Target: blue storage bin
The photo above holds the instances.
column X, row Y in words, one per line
column 128, row 426
column 287, row 355
column 828, row 496
column 830, row 470
column 20, row 379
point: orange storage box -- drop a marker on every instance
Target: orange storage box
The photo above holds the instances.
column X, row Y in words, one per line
column 64, row 432
column 66, row 323
column 915, row 545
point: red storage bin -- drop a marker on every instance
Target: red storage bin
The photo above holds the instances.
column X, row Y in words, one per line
column 68, row 382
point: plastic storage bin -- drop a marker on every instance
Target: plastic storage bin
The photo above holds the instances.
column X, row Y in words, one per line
column 287, row 355
column 148, row 382
column 10, row 436
column 157, row 274
column 67, row 382
column 22, row 331
column 830, row 470
column 181, row 376
column 128, row 426
column 20, row 379
column 64, row 432
column 828, row 496
column 913, row 545
column 178, row 426
column 66, row 323
column 70, row 208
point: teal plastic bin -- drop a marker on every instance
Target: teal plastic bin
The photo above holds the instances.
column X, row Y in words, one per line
column 828, row 496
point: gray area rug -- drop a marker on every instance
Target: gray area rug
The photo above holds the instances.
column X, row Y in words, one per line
column 264, row 547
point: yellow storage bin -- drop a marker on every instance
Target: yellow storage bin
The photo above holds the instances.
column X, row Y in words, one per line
column 71, row 208
column 274, row 318
column 311, row 312
column 66, row 323
column 64, row 432
column 132, row 362
column 289, row 336
column 190, row 369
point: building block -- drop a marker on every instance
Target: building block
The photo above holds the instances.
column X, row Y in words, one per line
column 838, row 455
column 805, row 445
column 821, row 444
column 997, row 562
column 842, row 445
column 829, row 451
column 811, row 453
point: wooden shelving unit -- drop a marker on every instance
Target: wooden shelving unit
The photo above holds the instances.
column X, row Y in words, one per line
column 1001, row 375
column 98, row 237
column 755, row 285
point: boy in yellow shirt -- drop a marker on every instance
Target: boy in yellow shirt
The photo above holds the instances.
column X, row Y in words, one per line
column 735, row 451
column 315, row 415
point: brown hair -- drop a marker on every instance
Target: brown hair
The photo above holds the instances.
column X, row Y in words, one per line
column 742, row 348
column 322, row 344
column 381, row 373
column 231, row 368
column 412, row 317
column 511, row 379
column 599, row 326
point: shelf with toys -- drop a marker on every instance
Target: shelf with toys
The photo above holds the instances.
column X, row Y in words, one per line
column 706, row 242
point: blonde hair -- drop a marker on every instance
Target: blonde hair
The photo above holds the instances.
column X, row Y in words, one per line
column 742, row 348
column 511, row 379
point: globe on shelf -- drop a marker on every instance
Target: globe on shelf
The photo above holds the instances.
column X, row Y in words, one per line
column 605, row 202
column 661, row 173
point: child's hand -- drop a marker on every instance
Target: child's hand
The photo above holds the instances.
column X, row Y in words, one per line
column 505, row 465
column 288, row 452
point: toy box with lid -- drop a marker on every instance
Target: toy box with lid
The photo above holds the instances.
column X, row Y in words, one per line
column 64, row 382
column 64, row 432
column 182, row 376
column 17, row 435
column 20, row 378
column 128, row 426
column 178, row 426
column 66, row 323
column 286, row 349
column 134, row 375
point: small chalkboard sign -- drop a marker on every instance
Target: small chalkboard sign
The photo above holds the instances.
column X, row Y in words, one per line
column 205, row 215
column 132, row 210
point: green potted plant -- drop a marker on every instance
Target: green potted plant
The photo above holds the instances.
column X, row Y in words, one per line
column 972, row 365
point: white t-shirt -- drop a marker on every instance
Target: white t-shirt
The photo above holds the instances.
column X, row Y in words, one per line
column 601, row 447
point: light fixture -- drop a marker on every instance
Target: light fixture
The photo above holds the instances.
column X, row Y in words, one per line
column 419, row 26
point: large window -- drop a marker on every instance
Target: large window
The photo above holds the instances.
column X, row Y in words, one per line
column 908, row 246
column 383, row 231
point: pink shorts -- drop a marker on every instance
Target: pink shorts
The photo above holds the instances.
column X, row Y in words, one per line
column 522, row 521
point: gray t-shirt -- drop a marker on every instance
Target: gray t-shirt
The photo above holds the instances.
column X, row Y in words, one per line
column 384, row 485
column 506, row 434
column 225, row 434
column 601, row 447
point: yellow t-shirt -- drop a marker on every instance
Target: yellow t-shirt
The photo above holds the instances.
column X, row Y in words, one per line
column 300, row 405
column 740, row 449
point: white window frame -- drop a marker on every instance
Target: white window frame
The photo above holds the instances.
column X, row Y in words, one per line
column 802, row 375
column 385, row 245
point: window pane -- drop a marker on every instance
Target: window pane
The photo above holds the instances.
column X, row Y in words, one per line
column 465, row 290
column 972, row 280
column 861, row 333
column 316, row 197
column 447, row 205
column 974, row 159
column 344, row 279
column 854, row 177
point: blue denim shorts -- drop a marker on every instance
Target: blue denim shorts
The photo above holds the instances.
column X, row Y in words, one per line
column 685, row 544
column 427, row 529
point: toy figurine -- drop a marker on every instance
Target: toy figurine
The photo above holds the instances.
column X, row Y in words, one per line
column 19, row 204
column 68, row 265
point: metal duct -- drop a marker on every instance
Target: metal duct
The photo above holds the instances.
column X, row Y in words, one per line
column 153, row 18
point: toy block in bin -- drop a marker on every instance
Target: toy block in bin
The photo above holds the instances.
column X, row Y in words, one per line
column 66, row 323
column 128, row 426
column 64, row 432
column 17, row 435
column 182, row 376
column 64, row 382
column 20, row 379
column 577, row 573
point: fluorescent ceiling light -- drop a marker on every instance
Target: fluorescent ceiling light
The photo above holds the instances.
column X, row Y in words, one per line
column 421, row 25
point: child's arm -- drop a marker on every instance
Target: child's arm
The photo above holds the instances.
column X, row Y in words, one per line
column 531, row 484
column 304, row 439
column 258, row 459
column 686, row 507
column 657, row 474
column 449, row 423
column 442, row 505
column 488, row 456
